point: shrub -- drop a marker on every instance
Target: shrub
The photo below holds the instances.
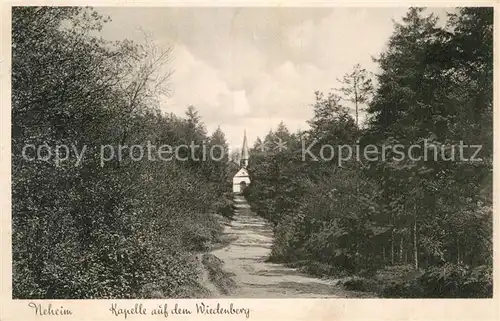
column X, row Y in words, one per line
column 447, row 281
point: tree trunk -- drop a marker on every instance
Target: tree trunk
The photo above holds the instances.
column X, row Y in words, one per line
column 401, row 245
column 415, row 245
column 356, row 100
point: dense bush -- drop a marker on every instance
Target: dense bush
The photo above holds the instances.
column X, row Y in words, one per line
column 123, row 229
column 225, row 205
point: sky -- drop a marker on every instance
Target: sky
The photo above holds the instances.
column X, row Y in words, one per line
column 250, row 68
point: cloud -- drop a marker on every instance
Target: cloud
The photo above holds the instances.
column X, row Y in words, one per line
column 194, row 80
column 253, row 67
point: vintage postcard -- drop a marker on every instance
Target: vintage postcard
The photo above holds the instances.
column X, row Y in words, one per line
column 234, row 161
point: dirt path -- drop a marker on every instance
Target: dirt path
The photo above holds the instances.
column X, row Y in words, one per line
column 251, row 239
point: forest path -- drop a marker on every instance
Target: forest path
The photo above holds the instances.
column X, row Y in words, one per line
column 249, row 247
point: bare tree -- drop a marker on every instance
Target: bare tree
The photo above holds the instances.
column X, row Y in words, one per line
column 357, row 88
column 148, row 76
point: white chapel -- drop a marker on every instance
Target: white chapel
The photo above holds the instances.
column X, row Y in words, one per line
column 241, row 179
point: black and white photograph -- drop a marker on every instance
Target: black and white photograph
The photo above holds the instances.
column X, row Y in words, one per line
column 262, row 152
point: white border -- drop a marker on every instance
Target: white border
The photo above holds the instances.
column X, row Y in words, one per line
column 261, row 309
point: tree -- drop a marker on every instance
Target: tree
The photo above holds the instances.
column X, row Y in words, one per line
column 419, row 98
column 97, row 230
column 331, row 121
column 218, row 157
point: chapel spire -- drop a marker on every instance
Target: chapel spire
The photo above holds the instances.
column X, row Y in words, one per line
column 244, row 151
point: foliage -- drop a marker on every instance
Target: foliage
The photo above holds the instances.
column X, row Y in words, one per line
column 357, row 88
column 119, row 229
column 434, row 87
